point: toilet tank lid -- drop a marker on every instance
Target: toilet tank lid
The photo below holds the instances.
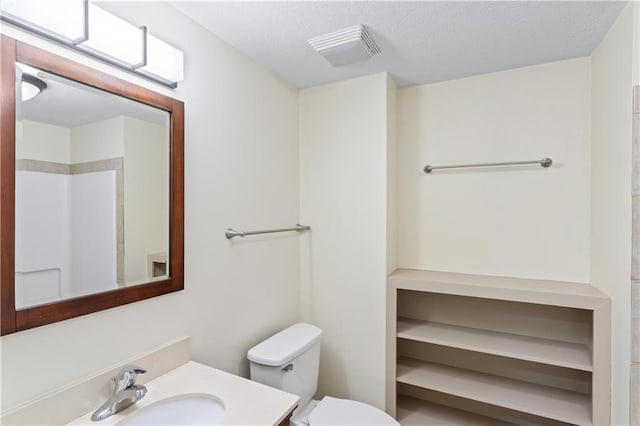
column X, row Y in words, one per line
column 284, row 346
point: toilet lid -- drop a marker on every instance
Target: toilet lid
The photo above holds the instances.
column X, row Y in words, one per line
column 334, row 411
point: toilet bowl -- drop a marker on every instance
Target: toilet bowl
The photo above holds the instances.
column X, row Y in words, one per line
column 289, row 361
column 334, row 411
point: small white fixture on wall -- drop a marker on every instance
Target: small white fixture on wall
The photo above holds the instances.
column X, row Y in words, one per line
column 345, row 47
column 86, row 27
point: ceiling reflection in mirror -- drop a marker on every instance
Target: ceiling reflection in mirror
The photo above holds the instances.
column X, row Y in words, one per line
column 92, row 190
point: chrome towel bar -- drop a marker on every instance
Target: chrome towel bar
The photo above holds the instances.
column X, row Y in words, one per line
column 230, row 233
column 545, row 162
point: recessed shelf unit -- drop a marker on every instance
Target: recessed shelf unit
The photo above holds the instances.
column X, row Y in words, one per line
column 467, row 349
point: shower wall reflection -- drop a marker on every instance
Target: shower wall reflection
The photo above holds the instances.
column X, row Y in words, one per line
column 92, row 174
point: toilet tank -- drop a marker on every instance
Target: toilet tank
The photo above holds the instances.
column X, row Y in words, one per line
column 289, row 361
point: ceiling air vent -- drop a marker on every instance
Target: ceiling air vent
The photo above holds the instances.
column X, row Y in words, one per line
column 344, row 47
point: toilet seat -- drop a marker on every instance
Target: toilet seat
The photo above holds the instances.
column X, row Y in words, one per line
column 334, row 411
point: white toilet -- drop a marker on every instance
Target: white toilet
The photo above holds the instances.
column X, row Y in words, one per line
column 289, row 360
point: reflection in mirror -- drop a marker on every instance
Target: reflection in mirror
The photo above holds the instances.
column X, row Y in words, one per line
column 91, row 190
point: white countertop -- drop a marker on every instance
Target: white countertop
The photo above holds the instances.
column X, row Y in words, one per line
column 245, row 402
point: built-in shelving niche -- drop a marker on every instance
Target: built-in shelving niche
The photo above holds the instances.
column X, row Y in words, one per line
column 489, row 355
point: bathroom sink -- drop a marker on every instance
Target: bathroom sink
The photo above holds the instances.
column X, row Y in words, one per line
column 180, row 410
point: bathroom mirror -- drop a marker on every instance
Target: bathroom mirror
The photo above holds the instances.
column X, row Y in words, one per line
column 92, row 190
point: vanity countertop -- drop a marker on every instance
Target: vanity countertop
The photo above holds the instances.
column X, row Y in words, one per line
column 245, row 402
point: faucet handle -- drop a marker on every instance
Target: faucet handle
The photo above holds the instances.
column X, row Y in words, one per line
column 126, row 377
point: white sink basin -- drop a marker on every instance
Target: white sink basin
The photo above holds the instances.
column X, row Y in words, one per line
column 180, row 410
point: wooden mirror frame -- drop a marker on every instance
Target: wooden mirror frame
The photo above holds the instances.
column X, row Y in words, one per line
column 12, row 320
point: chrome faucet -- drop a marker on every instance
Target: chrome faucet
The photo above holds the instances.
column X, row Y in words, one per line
column 125, row 393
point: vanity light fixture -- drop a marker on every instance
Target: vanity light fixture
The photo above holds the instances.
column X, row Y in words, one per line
column 114, row 38
column 58, row 20
column 86, row 27
column 345, row 47
column 31, row 86
column 164, row 61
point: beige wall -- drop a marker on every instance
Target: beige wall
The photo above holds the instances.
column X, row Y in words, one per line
column 46, row 142
column 612, row 65
column 525, row 222
column 146, row 195
column 392, row 175
column 41, row 141
column 343, row 195
column 100, row 140
column 241, row 165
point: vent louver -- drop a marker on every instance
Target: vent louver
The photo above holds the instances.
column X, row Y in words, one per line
column 347, row 46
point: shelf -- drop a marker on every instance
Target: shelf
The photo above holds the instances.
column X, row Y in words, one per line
column 543, row 401
column 413, row 411
column 545, row 351
column 555, row 293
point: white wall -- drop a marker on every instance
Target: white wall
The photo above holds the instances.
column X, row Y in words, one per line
column 43, row 241
column 343, row 195
column 521, row 221
column 92, row 207
column 612, row 81
column 65, row 225
column 43, row 237
column 241, row 169
column 65, row 228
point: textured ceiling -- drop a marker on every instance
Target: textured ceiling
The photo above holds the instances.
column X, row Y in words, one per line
column 421, row 41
